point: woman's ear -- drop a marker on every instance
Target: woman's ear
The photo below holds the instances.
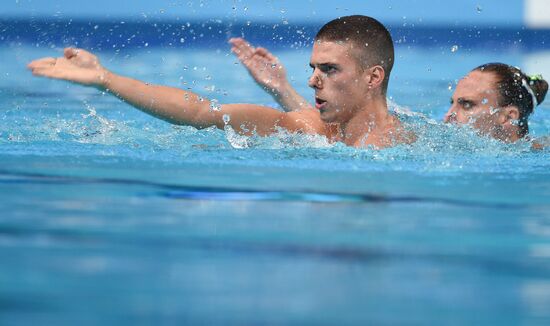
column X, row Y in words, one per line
column 509, row 114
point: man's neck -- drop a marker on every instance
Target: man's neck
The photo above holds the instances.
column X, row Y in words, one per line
column 372, row 119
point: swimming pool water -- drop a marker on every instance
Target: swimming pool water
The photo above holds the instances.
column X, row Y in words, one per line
column 111, row 216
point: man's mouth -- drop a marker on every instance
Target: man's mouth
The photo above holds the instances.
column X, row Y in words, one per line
column 319, row 103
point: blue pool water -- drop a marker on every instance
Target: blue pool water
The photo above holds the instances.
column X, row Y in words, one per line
column 111, row 216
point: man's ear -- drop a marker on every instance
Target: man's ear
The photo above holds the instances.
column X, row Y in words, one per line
column 509, row 114
column 376, row 76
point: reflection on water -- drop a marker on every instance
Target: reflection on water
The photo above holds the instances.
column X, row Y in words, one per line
column 536, row 297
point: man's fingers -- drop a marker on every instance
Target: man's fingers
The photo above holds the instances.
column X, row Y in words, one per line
column 239, row 42
column 43, row 71
column 244, row 57
column 42, row 63
column 268, row 55
column 50, row 72
column 241, row 48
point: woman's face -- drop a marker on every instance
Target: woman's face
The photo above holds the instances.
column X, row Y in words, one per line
column 475, row 102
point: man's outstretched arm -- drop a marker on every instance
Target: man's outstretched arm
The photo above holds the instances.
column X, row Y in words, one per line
column 269, row 74
column 171, row 104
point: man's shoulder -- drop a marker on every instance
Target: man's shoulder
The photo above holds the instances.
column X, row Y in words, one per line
column 306, row 120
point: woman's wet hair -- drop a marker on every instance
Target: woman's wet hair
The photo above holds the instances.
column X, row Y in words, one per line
column 368, row 35
column 517, row 89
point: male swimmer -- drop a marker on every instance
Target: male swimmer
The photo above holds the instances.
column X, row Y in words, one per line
column 352, row 58
column 496, row 99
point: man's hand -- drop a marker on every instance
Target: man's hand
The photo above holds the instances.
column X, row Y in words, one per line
column 76, row 65
column 270, row 74
column 263, row 66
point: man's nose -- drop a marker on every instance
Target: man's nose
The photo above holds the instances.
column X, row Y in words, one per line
column 315, row 80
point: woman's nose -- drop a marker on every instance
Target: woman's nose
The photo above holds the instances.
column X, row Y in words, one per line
column 450, row 116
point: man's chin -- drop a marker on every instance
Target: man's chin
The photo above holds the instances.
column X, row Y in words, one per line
column 327, row 117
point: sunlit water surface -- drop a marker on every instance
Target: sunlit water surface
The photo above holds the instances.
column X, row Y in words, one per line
column 109, row 215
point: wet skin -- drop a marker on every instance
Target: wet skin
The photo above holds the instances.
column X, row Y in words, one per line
column 338, row 81
column 475, row 103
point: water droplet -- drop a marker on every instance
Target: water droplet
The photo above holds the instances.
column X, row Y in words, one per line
column 96, row 26
column 182, row 40
column 484, row 101
column 226, row 118
column 454, row 48
column 479, row 9
column 450, row 86
column 214, row 105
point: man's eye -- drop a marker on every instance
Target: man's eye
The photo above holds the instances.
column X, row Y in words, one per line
column 328, row 69
column 467, row 105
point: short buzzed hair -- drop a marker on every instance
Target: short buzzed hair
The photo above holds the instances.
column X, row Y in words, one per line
column 372, row 40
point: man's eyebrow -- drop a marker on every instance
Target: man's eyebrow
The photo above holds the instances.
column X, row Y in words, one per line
column 322, row 64
column 462, row 100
